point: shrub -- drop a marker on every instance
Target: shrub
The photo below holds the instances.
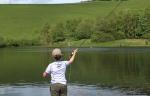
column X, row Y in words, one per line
column 45, row 35
column 102, row 37
column 2, row 42
column 119, row 35
column 103, row 25
column 70, row 28
column 58, row 33
column 12, row 42
column 130, row 24
column 146, row 36
column 84, row 30
column 145, row 22
column 27, row 42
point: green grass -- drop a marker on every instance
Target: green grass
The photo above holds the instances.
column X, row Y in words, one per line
column 125, row 43
column 116, row 43
column 24, row 21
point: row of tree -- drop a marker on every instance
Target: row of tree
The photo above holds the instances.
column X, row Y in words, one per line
column 121, row 25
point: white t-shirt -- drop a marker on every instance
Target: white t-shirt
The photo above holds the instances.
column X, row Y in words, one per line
column 57, row 71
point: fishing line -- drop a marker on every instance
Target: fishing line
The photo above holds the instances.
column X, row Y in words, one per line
column 69, row 79
column 112, row 11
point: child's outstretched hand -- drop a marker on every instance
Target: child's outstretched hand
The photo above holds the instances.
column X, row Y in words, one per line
column 75, row 51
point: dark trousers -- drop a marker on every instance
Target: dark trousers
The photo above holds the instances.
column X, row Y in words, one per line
column 58, row 89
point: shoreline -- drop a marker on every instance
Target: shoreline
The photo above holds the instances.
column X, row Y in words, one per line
column 86, row 43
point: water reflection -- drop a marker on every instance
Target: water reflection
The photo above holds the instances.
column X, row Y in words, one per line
column 121, row 67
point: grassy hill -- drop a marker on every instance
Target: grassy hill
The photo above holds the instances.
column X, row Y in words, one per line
column 24, row 21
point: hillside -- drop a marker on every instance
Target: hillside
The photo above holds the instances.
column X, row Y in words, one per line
column 24, row 21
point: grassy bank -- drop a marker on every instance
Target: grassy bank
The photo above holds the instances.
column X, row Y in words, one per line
column 21, row 23
column 116, row 43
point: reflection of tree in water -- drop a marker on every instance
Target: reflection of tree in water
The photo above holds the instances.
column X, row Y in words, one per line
column 98, row 67
column 111, row 68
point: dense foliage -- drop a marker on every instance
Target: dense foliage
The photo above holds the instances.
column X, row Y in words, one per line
column 122, row 25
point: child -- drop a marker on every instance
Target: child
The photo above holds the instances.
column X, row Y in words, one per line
column 57, row 71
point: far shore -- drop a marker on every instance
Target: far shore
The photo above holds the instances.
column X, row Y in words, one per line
column 89, row 44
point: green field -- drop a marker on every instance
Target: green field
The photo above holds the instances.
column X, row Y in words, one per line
column 24, row 21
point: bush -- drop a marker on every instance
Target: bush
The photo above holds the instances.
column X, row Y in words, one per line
column 131, row 24
column 103, row 25
column 145, row 22
column 22, row 42
column 146, row 36
column 12, row 42
column 84, row 30
column 70, row 28
column 2, row 42
column 27, row 42
column 58, row 33
column 45, row 35
column 102, row 37
column 119, row 35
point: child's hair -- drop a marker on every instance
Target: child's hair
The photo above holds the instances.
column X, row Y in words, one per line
column 57, row 57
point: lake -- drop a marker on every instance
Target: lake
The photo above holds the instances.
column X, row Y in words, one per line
column 95, row 72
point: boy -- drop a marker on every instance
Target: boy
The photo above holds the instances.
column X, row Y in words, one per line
column 57, row 71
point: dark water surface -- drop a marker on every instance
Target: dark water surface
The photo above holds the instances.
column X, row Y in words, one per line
column 95, row 72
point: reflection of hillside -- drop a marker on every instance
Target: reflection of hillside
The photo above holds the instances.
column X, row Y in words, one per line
column 114, row 66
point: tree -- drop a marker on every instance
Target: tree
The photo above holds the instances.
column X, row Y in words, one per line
column 58, row 32
column 145, row 23
column 84, row 30
column 70, row 28
column 131, row 25
column 45, row 35
column 102, row 37
column 2, row 42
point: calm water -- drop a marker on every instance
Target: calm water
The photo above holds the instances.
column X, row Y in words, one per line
column 95, row 72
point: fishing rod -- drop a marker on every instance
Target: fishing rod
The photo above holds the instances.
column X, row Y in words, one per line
column 112, row 11
column 71, row 56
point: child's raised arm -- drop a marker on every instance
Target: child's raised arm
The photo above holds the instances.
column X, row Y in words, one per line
column 73, row 56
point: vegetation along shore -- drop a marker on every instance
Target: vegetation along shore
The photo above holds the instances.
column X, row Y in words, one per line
column 89, row 24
